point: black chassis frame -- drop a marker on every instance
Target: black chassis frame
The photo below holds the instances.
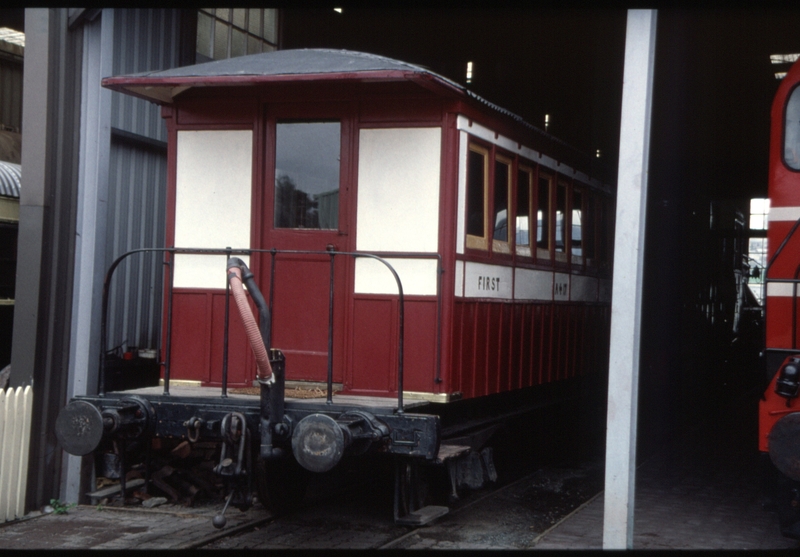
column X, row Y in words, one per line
column 411, row 435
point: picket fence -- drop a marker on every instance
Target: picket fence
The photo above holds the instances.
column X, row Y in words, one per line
column 15, row 431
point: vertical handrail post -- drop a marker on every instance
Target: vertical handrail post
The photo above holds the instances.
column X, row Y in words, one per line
column 168, row 355
column 439, row 274
column 400, row 345
column 226, row 330
column 330, row 331
column 272, row 252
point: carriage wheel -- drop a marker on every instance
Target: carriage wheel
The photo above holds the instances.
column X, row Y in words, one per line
column 281, row 484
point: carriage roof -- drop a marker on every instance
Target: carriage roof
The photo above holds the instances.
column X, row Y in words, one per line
column 312, row 64
column 317, row 65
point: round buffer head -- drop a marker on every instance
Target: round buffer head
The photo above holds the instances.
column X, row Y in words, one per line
column 79, row 428
column 318, row 443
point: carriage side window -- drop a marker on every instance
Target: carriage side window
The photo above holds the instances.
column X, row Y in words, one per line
column 523, row 212
column 791, row 131
column 561, row 222
column 502, row 187
column 588, row 229
column 307, row 175
column 543, row 216
column 576, row 233
column 477, row 193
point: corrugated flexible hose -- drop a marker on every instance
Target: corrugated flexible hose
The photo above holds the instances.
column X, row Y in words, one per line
column 250, row 325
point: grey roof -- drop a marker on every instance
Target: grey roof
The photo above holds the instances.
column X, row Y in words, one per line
column 9, row 179
column 292, row 62
column 307, row 61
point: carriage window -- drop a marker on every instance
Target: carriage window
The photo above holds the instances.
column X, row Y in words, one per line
column 576, row 236
column 477, row 190
column 561, row 222
column 307, row 175
column 791, row 131
column 502, row 185
column 588, row 229
column 543, row 217
column 523, row 220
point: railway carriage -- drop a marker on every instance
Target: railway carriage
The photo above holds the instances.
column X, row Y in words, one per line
column 432, row 259
column 779, row 413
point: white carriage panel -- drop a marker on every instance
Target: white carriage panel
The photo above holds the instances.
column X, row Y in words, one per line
column 212, row 201
column 531, row 284
column 459, row 292
column 583, row 289
column 417, row 275
column 398, row 189
column 482, row 132
column 487, row 281
column 561, row 286
column 605, row 290
column 461, row 208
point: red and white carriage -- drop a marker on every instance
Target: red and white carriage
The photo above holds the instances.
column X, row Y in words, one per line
column 412, row 241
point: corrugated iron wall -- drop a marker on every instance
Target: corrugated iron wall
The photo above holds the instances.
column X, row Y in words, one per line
column 149, row 40
column 137, row 195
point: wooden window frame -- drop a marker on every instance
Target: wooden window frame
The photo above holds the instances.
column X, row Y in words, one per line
column 526, row 250
column 562, row 256
column 473, row 241
column 577, row 260
column 545, row 254
column 502, row 246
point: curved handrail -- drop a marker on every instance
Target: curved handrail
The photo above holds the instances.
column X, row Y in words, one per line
column 228, row 252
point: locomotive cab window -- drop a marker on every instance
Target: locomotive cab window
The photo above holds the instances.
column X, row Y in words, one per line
column 523, row 211
column 791, row 131
column 477, row 193
column 307, row 175
column 502, row 188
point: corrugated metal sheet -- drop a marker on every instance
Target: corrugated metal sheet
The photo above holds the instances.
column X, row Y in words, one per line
column 11, row 94
column 149, row 41
column 10, row 174
column 136, row 218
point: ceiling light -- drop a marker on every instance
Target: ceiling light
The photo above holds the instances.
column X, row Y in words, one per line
column 783, row 58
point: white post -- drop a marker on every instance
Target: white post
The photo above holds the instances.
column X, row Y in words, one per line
column 626, row 298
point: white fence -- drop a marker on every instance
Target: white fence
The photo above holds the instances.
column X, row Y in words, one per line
column 15, row 431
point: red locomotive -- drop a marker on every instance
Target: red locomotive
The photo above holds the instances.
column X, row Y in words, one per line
column 779, row 415
column 430, row 257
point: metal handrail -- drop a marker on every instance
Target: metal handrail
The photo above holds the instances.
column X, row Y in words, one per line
column 228, row 252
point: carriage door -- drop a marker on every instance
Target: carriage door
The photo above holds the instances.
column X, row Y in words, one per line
column 302, row 212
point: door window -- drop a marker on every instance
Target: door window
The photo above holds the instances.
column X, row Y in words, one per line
column 307, row 157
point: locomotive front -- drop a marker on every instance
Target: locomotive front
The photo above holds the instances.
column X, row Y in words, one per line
column 779, row 411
